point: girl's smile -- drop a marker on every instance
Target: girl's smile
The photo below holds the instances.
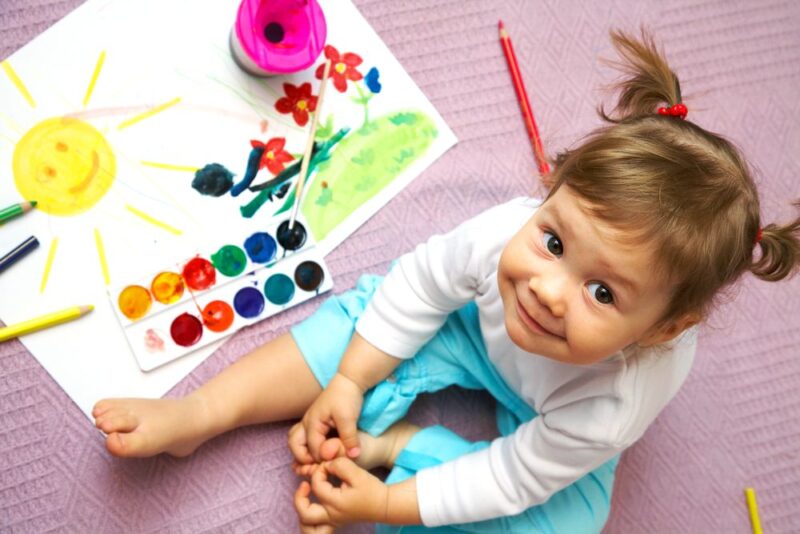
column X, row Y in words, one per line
column 577, row 290
column 532, row 323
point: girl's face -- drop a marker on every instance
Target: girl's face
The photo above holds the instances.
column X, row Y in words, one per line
column 573, row 290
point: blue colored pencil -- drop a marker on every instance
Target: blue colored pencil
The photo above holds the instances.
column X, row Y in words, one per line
column 18, row 252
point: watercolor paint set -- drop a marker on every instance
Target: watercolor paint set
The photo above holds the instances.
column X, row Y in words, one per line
column 209, row 297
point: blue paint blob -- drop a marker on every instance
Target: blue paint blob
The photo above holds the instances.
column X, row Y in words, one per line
column 279, row 289
column 261, row 247
column 213, row 180
column 248, row 302
column 372, row 81
column 252, row 169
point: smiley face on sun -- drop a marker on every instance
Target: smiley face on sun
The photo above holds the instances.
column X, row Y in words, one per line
column 80, row 183
column 65, row 164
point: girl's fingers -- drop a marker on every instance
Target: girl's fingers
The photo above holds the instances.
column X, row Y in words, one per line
column 348, row 434
column 304, row 470
column 310, row 513
column 299, row 445
column 316, row 434
column 344, row 469
column 322, row 487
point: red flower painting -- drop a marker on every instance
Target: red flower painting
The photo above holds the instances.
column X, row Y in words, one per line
column 274, row 156
column 343, row 68
column 298, row 101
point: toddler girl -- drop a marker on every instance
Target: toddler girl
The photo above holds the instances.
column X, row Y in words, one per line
column 576, row 313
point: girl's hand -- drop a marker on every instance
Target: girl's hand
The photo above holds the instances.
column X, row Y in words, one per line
column 338, row 406
column 302, row 504
column 360, row 497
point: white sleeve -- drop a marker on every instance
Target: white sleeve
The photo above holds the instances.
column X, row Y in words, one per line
column 426, row 285
column 514, row 473
column 555, row 449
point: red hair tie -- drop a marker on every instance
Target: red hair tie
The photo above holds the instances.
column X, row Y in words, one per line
column 759, row 235
column 678, row 110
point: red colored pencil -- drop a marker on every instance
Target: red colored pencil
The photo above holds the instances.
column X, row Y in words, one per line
column 524, row 103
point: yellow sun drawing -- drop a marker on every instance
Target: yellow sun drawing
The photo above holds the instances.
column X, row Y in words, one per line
column 67, row 165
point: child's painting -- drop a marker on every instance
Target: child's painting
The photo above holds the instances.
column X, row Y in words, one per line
column 143, row 142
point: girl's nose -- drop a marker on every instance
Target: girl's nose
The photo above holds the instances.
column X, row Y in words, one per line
column 550, row 290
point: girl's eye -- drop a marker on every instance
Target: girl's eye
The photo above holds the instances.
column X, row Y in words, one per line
column 552, row 243
column 601, row 293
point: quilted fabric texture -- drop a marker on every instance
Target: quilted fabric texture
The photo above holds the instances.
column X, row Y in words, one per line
column 736, row 423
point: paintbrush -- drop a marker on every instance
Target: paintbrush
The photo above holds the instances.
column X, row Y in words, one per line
column 298, row 193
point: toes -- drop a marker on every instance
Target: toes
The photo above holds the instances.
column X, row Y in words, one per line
column 102, row 407
column 117, row 422
column 331, row 448
column 116, row 445
column 129, row 445
column 304, row 470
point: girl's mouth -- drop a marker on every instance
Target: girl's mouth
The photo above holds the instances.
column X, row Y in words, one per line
column 532, row 324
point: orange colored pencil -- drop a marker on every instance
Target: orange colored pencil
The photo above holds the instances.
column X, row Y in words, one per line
column 524, row 103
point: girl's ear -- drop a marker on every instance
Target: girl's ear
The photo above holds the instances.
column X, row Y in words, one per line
column 669, row 331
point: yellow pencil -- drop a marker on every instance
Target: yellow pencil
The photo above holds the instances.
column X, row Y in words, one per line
column 45, row 321
column 752, row 507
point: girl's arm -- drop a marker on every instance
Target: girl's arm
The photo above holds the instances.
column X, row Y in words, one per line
column 364, row 364
column 339, row 405
column 437, row 278
column 402, row 507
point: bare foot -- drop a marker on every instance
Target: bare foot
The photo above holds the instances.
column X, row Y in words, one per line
column 378, row 451
column 139, row 428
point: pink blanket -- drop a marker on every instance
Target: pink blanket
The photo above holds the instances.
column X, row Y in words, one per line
column 736, row 423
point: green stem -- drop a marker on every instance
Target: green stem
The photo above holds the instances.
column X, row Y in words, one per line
column 365, row 102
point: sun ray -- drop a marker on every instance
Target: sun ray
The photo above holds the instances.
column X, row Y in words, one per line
column 12, row 125
column 18, row 83
column 256, row 105
column 165, row 196
column 95, row 75
column 169, row 166
column 48, row 264
column 152, row 220
column 148, row 113
column 101, row 254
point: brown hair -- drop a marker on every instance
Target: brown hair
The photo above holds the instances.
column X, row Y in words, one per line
column 673, row 184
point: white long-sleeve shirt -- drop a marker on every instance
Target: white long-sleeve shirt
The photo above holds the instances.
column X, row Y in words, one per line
column 587, row 414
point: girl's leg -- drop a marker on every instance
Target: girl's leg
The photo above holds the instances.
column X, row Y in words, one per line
column 272, row 383
column 582, row 506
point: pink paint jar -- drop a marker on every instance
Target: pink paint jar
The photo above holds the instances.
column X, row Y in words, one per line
column 277, row 36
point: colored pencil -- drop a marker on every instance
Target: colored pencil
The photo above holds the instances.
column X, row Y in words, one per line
column 15, row 210
column 17, row 253
column 45, row 321
column 298, row 191
column 752, row 507
column 524, row 102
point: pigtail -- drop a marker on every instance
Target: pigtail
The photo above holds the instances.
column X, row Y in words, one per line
column 780, row 251
column 649, row 82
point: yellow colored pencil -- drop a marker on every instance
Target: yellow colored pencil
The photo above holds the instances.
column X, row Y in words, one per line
column 45, row 321
column 752, row 507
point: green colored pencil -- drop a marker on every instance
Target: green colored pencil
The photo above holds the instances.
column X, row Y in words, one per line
column 15, row 210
